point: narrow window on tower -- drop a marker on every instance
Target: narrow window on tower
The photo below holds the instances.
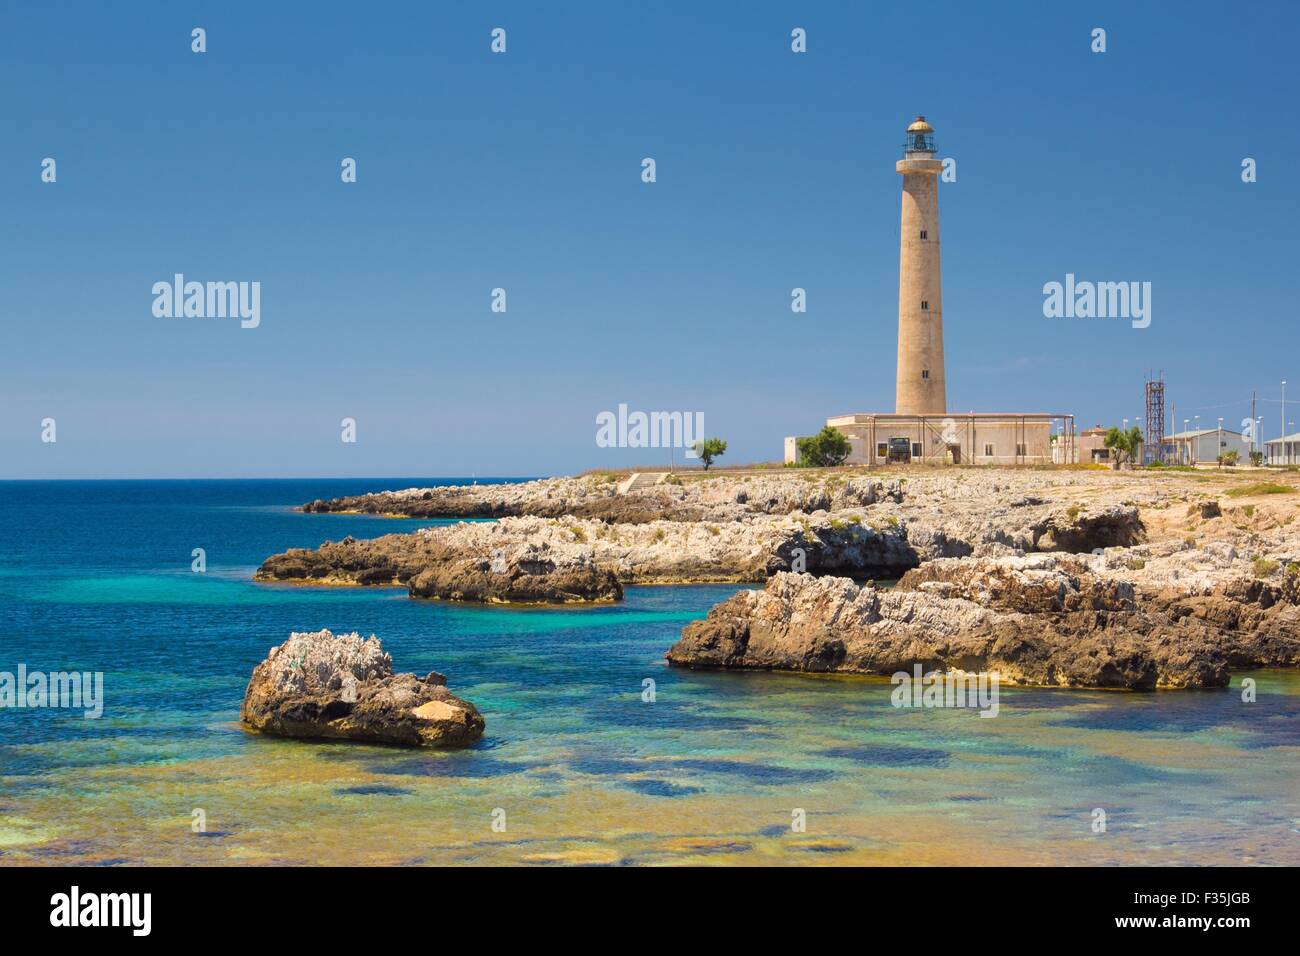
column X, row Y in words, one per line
column 988, row 450
column 925, row 373
column 925, row 304
column 923, row 235
column 1020, row 449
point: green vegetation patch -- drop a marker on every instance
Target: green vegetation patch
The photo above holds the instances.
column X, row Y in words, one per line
column 1260, row 488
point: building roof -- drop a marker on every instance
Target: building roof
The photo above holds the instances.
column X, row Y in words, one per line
column 1278, row 441
column 861, row 418
column 1199, row 434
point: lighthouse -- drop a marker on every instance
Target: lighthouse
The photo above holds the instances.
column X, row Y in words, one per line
column 920, row 429
column 920, row 385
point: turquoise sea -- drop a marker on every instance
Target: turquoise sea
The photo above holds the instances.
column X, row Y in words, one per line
column 96, row 576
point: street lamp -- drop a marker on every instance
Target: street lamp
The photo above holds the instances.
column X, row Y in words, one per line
column 1187, row 434
column 1285, row 453
column 1219, row 451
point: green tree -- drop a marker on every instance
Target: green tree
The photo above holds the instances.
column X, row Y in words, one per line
column 1124, row 443
column 710, row 449
column 1229, row 458
column 827, row 449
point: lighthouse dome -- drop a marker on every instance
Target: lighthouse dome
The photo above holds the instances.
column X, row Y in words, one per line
column 919, row 125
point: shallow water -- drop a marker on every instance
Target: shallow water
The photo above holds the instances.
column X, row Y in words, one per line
column 96, row 576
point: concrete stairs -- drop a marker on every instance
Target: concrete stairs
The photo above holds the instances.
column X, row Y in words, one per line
column 640, row 481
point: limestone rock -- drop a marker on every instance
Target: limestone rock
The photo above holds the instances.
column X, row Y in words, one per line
column 802, row 623
column 316, row 685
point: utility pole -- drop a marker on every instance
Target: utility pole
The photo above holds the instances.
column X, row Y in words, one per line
column 1252, row 420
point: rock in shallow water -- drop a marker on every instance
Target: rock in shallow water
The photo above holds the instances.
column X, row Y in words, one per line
column 316, row 685
column 1054, row 626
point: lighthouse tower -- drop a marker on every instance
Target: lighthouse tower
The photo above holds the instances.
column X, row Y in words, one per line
column 920, row 384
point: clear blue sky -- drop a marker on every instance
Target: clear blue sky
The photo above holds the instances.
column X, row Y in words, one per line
column 775, row 170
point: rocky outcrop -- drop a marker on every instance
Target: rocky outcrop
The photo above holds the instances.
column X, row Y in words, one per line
column 1160, row 616
column 463, row 562
column 802, row 623
column 536, row 560
column 316, row 685
column 524, row 574
column 595, row 497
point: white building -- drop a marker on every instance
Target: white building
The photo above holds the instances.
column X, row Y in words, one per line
column 1283, row 451
column 1206, row 445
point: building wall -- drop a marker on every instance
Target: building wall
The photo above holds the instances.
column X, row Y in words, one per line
column 920, row 383
column 1206, row 448
column 1278, row 452
column 977, row 442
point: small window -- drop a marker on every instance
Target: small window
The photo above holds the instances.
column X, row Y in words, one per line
column 916, row 449
column 925, row 373
column 1020, row 449
column 882, row 450
column 925, row 304
column 988, row 449
column 923, row 235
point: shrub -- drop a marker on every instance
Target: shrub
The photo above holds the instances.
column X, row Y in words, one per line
column 827, row 449
column 1263, row 567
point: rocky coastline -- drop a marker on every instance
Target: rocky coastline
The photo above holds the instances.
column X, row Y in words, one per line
column 1066, row 577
